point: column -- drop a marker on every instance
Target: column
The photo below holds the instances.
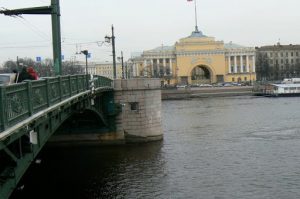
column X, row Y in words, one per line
column 253, row 60
column 247, row 63
column 145, row 68
column 171, row 69
column 164, row 65
column 157, row 68
column 241, row 63
column 235, row 65
column 229, row 64
column 152, row 68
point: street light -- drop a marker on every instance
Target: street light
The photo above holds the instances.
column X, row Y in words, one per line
column 86, row 52
column 112, row 39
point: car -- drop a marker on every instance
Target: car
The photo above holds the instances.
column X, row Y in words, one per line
column 227, row 84
column 194, row 85
column 8, row 78
column 181, row 86
column 205, row 85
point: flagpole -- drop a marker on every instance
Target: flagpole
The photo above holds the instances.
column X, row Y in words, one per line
column 196, row 27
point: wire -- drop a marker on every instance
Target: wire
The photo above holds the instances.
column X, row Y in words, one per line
column 34, row 29
column 16, row 47
column 25, row 42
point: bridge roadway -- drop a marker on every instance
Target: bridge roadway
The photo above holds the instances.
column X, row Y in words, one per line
column 32, row 111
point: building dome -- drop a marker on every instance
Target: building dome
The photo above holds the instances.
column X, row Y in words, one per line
column 197, row 33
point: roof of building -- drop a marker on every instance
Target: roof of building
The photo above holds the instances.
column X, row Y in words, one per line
column 162, row 48
column 231, row 45
column 278, row 46
column 287, row 85
column 136, row 54
column 197, row 34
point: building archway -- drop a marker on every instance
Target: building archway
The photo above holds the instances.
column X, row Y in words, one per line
column 201, row 74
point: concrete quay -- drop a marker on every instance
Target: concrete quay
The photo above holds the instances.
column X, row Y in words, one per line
column 185, row 93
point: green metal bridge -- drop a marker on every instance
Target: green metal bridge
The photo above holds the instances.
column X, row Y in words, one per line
column 31, row 112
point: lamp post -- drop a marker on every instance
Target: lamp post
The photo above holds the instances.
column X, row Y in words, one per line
column 112, row 38
column 86, row 52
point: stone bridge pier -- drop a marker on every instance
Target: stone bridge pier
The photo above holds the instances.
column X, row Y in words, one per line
column 140, row 102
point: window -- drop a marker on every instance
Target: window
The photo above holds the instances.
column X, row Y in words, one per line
column 281, row 54
column 233, row 79
column 286, row 54
column 292, row 61
column 297, row 54
column 292, row 54
column 281, row 61
column 245, row 78
column 134, row 106
column 271, row 54
column 286, row 61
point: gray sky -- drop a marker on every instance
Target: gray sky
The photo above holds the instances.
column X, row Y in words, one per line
column 145, row 24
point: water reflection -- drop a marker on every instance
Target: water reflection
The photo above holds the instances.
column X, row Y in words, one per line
column 235, row 147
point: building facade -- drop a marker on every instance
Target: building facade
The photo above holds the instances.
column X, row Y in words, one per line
column 198, row 59
column 105, row 69
column 277, row 62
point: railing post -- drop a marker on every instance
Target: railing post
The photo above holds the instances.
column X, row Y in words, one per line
column 87, row 82
column 48, row 92
column 77, row 84
column 70, row 86
column 3, row 107
column 29, row 97
column 60, row 89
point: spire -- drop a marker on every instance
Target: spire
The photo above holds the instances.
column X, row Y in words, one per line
column 196, row 33
column 196, row 22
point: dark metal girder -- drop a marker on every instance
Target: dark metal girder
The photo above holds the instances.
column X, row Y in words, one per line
column 36, row 11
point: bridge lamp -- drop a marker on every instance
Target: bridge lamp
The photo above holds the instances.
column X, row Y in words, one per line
column 111, row 40
column 107, row 39
column 86, row 52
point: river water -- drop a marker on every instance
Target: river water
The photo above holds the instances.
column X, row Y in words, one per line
column 233, row 147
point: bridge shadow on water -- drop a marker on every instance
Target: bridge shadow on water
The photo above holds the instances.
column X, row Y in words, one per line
column 87, row 172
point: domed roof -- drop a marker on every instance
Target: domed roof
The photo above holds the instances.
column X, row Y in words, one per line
column 231, row 45
column 197, row 33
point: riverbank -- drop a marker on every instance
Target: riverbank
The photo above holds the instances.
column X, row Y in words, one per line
column 184, row 93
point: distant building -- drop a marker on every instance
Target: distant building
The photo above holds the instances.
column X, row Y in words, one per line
column 105, row 69
column 198, row 59
column 277, row 62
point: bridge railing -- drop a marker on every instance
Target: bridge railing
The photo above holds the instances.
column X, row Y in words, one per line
column 20, row 101
column 100, row 81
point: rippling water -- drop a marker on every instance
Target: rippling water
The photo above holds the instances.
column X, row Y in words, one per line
column 236, row 147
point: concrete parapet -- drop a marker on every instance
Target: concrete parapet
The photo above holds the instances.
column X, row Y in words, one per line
column 136, row 84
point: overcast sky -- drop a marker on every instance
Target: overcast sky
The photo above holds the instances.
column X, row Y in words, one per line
column 145, row 24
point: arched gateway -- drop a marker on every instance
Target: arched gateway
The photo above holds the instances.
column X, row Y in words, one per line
column 201, row 74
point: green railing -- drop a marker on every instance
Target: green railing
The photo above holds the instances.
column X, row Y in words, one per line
column 20, row 101
column 100, row 82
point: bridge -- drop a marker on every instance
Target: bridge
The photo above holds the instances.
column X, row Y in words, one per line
column 31, row 112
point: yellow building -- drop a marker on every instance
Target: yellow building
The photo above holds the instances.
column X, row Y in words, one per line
column 105, row 69
column 199, row 59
